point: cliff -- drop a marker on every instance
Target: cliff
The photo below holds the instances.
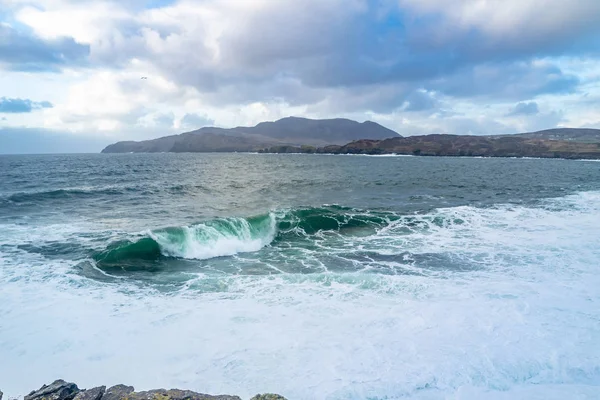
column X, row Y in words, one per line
column 459, row 145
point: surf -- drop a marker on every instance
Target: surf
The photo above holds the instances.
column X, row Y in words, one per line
column 222, row 237
column 215, row 238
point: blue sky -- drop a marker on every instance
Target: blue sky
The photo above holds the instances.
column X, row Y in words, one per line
column 70, row 71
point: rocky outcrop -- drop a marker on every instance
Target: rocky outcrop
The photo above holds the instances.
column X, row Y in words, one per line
column 456, row 145
column 118, row 392
column 57, row 390
column 176, row 394
column 62, row 390
column 91, row 394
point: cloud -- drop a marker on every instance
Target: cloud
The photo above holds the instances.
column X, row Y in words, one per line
column 21, row 105
column 195, row 121
column 164, row 120
column 425, row 65
column 112, row 100
column 447, row 124
column 262, row 50
column 547, row 120
column 507, row 27
column 337, row 44
column 530, row 108
column 507, row 81
column 25, row 52
column 420, row 100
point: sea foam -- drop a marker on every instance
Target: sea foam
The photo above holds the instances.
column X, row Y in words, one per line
column 522, row 325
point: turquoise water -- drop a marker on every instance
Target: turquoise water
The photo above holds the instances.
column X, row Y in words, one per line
column 316, row 276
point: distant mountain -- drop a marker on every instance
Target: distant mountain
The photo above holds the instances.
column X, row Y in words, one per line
column 584, row 135
column 290, row 131
column 319, row 132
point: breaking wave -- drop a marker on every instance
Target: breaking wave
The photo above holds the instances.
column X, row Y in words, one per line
column 228, row 236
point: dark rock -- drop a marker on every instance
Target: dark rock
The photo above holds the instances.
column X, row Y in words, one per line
column 456, row 145
column 118, row 392
column 61, row 390
column 57, row 390
column 268, row 396
column 176, row 394
column 1, row 394
column 91, row 394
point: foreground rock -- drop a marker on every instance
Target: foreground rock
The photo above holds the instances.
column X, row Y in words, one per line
column 176, row 394
column 91, row 394
column 62, row 390
column 118, row 392
column 57, row 390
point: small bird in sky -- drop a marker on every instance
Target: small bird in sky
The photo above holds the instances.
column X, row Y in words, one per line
column 144, row 77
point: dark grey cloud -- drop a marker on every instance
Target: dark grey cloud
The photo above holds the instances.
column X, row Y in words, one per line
column 420, row 101
column 305, row 52
column 514, row 80
column 530, row 108
column 15, row 106
column 486, row 32
column 24, row 52
column 378, row 98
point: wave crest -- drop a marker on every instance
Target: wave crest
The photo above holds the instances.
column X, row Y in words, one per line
column 229, row 236
column 216, row 238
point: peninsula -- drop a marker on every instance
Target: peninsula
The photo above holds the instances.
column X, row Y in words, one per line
column 343, row 136
column 458, row 146
column 291, row 131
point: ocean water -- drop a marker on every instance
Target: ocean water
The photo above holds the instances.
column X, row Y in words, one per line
column 313, row 276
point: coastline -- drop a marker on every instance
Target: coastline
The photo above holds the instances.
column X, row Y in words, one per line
column 454, row 146
column 384, row 155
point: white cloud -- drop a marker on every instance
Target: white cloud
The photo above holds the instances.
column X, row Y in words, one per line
column 85, row 22
column 241, row 62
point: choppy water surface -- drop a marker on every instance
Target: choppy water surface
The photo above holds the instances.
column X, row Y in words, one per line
column 318, row 277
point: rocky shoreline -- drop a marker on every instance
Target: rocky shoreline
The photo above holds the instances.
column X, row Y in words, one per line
column 456, row 146
column 62, row 390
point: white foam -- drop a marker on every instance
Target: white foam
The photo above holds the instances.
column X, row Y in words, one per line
column 525, row 325
column 204, row 241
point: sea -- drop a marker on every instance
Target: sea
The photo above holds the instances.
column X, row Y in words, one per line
column 318, row 277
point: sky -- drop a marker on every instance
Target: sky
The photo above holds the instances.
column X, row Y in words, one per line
column 71, row 70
